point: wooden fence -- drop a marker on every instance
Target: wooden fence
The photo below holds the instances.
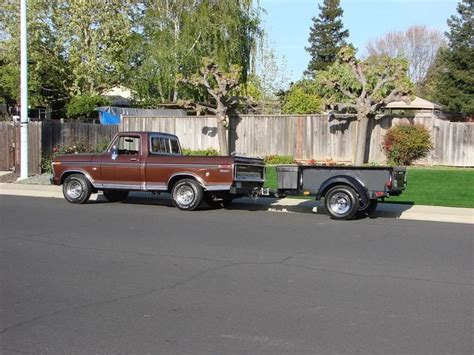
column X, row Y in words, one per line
column 43, row 137
column 317, row 137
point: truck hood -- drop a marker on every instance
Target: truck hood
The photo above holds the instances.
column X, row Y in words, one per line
column 74, row 157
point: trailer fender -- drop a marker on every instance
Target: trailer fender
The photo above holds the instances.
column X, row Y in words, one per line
column 351, row 181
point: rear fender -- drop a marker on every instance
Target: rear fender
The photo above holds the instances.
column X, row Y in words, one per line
column 351, row 181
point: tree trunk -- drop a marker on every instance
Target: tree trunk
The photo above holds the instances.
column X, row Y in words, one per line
column 362, row 125
column 222, row 134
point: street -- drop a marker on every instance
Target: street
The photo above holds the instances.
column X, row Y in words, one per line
column 141, row 277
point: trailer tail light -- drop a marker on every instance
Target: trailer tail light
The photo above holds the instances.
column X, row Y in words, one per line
column 379, row 193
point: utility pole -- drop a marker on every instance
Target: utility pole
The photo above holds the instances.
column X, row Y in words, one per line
column 24, row 91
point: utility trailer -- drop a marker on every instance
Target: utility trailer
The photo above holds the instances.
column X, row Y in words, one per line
column 347, row 190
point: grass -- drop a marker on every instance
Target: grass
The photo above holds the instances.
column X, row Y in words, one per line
column 451, row 187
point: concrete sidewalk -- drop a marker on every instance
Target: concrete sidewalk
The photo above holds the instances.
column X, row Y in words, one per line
column 289, row 205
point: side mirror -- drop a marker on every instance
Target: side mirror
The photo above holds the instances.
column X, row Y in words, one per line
column 114, row 151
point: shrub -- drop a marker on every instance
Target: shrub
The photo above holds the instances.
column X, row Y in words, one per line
column 403, row 144
column 205, row 152
column 278, row 159
column 299, row 101
column 84, row 107
column 74, row 148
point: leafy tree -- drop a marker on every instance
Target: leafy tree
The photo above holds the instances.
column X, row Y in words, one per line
column 177, row 35
column 326, row 37
column 96, row 35
column 303, row 98
column 48, row 75
column 364, row 87
column 451, row 79
column 84, row 106
column 219, row 85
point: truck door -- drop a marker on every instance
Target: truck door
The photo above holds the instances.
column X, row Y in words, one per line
column 120, row 165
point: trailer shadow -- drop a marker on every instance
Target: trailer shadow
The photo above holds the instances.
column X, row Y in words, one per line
column 384, row 210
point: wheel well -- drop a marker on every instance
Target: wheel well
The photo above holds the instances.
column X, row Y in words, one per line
column 68, row 173
column 177, row 178
column 336, row 183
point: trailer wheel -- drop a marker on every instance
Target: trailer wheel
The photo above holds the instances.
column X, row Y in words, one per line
column 341, row 202
column 187, row 194
column 115, row 195
column 77, row 189
column 368, row 210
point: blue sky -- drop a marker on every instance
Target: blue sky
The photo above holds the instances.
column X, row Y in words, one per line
column 287, row 22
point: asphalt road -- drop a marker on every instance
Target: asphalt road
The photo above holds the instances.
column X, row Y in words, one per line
column 131, row 278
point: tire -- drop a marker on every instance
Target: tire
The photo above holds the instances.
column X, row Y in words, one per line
column 341, row 202
column 115, row 195
column 187, row 194
column 368, row 210
column 77, row 189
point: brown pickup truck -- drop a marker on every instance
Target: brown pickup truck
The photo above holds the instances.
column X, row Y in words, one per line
column 153, row 161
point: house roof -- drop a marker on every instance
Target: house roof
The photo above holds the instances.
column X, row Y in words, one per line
column 417, row 104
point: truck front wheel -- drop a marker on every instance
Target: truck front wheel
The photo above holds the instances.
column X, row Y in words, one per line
column 341, row 202
column 187, row 194
column 77, row 189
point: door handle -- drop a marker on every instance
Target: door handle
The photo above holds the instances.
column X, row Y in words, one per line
column 133, row 159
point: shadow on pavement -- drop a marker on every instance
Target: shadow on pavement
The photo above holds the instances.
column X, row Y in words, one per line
column 384, row 210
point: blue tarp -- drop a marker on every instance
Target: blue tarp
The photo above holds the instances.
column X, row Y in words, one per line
column 107, row 118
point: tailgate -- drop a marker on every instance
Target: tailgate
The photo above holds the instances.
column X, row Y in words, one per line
column 249, row 169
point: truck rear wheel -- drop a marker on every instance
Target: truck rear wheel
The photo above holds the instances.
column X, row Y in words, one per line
column 77, row 189
column 341, row 202
column 187, row 194
column 115, row 195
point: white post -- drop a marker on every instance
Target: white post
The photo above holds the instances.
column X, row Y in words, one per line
column 24, row 91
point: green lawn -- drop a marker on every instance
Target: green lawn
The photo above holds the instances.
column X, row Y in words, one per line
column 452, row 187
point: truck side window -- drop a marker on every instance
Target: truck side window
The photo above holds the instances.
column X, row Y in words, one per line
column 160, row 145
column 174, row 146
column 128, row 145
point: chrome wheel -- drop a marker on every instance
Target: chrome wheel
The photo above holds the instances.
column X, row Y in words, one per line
column 185, row 195
column 340, row 203
column 74, row 189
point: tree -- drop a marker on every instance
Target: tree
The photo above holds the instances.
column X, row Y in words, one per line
column 219, row 85
column 271, row 75
column 326, row 37
column 364, row 87
column 95, row 35
column 418, row 44
column 303, row 98
column 451, row 78
column 48, row 74
column 177, row 35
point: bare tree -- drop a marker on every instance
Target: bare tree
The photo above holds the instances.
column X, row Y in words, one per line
column 418, row 44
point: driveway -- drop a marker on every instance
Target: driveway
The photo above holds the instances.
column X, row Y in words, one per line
column 146, row 278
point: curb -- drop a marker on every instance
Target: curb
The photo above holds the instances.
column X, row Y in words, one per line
column 285, row 205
